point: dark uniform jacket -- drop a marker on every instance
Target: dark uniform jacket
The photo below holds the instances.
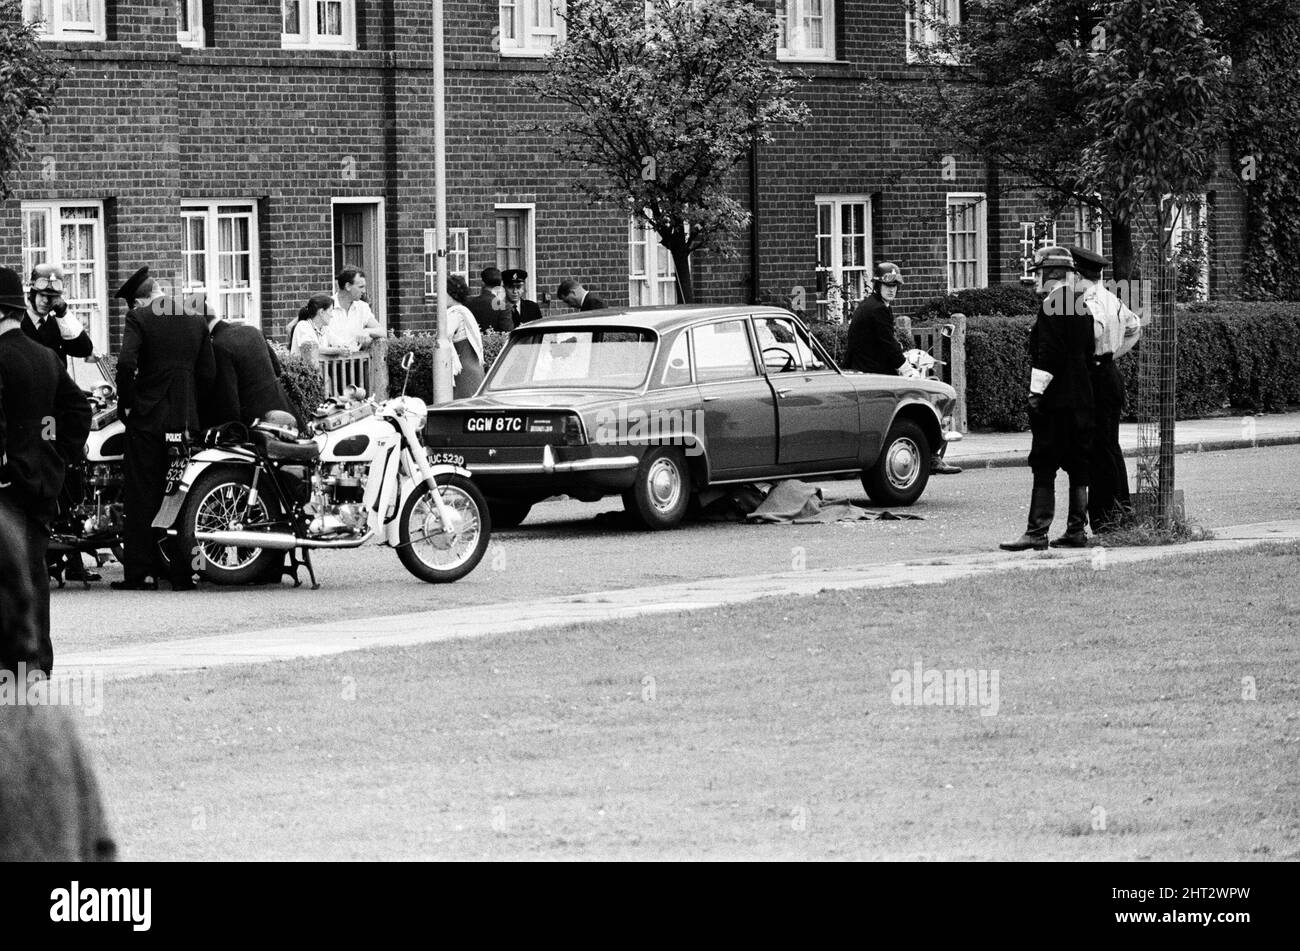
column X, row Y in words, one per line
column 592, row 302
column 166, row 360
column 49, row 335
column 248, row 377
column 44, row 422
column 488, row 317
column 1062, row 344
column 871, row 346
column 527, row 311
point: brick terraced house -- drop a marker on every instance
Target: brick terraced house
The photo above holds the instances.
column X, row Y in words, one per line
column 249, row 148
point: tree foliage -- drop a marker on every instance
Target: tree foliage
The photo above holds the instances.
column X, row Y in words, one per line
column 1111, row 105
column 29, row 78
column 663, row 101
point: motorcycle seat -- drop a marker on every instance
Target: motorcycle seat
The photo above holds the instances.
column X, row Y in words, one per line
column 278, row 450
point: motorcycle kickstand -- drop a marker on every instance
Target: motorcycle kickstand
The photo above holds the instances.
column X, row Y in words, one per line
column 301, row 558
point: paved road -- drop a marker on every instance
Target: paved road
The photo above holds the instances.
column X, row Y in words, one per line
column 563, row 549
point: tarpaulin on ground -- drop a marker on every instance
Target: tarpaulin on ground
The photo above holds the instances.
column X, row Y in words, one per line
column 791, row 502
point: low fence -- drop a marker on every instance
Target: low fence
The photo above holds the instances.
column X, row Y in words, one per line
column 367, row 369
column 951, row 350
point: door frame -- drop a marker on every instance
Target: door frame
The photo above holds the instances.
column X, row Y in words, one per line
column 377, row 276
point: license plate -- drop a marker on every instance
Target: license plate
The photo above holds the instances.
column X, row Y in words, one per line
column 175, row 472
column 446, row 459
column 494, row 424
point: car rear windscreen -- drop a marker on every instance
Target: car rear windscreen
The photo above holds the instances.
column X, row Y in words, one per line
column 562, row 359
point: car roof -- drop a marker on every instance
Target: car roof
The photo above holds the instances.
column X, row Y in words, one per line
column 658, row 319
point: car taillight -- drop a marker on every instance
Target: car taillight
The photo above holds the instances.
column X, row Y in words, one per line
column 573, row 435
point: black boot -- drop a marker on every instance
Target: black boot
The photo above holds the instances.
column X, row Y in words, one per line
column 1076, row 529
column 1042, row 507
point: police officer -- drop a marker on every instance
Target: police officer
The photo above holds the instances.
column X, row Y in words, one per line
column 521, row 310
column 1116, row 329
column 872, row 346
column 47, row 321
column 44, row 422
column 247, row 385
column 166, row 360
column 1060, row 404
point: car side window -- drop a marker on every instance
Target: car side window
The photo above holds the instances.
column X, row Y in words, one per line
column 785, row 346
column 722, row 352
column 677, row 371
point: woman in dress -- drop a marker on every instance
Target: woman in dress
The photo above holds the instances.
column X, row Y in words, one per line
column 310, row 326
column 465, row 337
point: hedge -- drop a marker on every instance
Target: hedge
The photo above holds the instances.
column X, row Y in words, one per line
column 422, row 346
column 1003, row 299
column 1230, row 355
column 302, row 381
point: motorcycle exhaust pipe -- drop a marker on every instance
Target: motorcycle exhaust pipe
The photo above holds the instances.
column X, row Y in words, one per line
column 276, row 541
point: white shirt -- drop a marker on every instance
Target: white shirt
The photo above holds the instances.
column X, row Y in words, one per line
column 1115, row 328
column 305, row 332
column 346, row 325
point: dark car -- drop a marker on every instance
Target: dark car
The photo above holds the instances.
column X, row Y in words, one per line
column 655, row 404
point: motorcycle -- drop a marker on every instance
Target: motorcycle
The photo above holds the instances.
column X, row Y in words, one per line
column 254, row 493
column 923, row 364
column 90, row 519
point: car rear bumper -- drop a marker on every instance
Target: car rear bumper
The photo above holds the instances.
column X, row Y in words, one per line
column 549, row 465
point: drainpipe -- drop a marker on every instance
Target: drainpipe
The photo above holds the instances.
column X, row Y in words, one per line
column 755, row 226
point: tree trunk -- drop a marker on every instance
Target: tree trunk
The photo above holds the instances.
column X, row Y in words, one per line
column 682, row 264
column 1121, row 250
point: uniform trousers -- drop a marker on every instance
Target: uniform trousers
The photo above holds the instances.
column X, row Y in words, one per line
column 144, row 472
column 24, row 586
column 1109, row 495
column 1062, row 439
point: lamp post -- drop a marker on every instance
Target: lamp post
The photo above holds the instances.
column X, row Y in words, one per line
column 442, row 351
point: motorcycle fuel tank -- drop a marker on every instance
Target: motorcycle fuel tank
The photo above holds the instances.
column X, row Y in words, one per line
column 355, row 442
column 107, row 444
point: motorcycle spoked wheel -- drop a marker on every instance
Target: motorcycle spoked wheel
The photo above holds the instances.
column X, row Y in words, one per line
column 432, row 554
column 218, row 498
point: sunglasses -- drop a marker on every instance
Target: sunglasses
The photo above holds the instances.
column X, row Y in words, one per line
column 51, row 285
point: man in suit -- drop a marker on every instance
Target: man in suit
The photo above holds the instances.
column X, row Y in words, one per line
column 577, row 296
column 44, row 422
column 521, row 310
column 872, row 346
column 47, row 321
column 489, row 307
column 1060, row 404
column 247, row 386
column 166, row 360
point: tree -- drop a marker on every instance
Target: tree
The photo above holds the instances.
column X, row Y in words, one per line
column 29, row 77
column 662, row 102
column 1113, row 106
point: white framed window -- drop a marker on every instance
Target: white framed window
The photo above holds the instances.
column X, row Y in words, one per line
column 807, row 29
column 70, row 235
column 515, row 241
column 66, row 19
column 1034, row 235
column 319, row 23
column 1087, row 227
column 189, row 23
column 1189, row 242
column 925, row 19
column 967, row 223
column 530, row 27
column 651, row 276
column 843, row 253
column 457, row 257
column 219, row 258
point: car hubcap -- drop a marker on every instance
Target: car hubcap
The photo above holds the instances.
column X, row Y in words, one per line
column 904, row 463
column 665, row 484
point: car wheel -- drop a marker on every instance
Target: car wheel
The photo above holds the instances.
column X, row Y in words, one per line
column 900, row 475
column 508, row 514
column 662, row 491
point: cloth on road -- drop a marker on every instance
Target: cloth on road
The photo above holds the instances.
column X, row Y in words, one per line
column 799, row 503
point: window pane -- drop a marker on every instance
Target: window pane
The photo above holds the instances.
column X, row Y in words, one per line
column 722, row 352
column 292, row 16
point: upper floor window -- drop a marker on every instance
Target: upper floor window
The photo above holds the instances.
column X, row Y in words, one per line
column 807, row 29
column 926, row 20
column 319, row 23
column 968, row 238
column 189, row 22
column 66, row 19
column 531, row 27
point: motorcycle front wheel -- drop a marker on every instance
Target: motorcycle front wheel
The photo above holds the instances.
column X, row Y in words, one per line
column 218, row 501
column 431, row 552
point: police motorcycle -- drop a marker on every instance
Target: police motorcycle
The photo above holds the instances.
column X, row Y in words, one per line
column 252, row 494
column 90, row 518
column 923, row 364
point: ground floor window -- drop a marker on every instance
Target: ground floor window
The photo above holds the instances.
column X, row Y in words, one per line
column 1034, row 235
column 457, row 257
column 219, row 258
column 651, row 277
column 71, row 235
column 967, row 222
column 843, row 254
column 1188, row 235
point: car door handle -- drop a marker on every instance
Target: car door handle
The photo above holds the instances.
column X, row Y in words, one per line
column 710, row 399
column 783, row 393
